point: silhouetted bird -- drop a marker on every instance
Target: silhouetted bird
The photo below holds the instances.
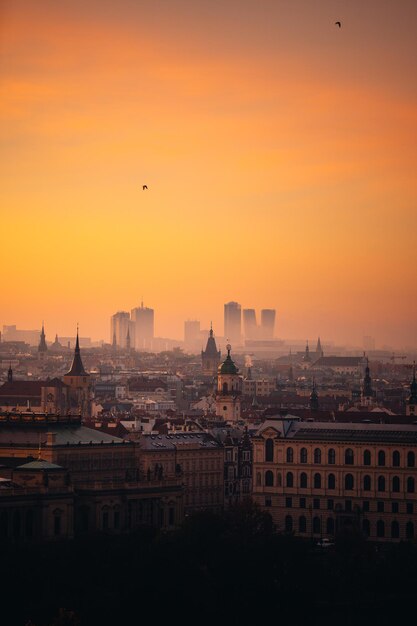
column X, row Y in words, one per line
column 144, row 187
column 339, row 24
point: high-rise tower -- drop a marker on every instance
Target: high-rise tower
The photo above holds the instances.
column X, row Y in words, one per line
column 143, row 320
column 250, row 329
column 119, row 324
column 267, row 323
column 232, row 322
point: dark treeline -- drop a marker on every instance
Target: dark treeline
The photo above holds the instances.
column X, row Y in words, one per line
column 229, row 568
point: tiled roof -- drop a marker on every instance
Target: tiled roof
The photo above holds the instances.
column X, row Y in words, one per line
column 64, row 435
column 153, row 442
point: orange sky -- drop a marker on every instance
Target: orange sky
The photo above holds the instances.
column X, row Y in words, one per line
column 280, row 154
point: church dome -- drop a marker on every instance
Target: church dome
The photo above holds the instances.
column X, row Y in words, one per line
column 228, row 366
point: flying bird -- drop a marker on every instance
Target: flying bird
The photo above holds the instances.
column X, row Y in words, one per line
column 144, row 187
column 339, row 24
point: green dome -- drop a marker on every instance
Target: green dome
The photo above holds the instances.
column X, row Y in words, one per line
column 228, row 366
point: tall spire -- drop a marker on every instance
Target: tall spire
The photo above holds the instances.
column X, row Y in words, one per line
column 42, row 344
column 314, row 398
column 10, row 374
column 413, row 388
column 128, row 339
column 77, row 367
column 367, row 382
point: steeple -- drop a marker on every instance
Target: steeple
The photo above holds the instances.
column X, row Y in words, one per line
column 367, row 383
column 42, row 344
column 413, row 388
column 77, row 367
column 314, row 398
column 319, row 349
column 306, row 356
column 10, row 374
column 210, row 357
column 128, row 339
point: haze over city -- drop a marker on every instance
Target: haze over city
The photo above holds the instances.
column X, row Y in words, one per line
column 279, row 152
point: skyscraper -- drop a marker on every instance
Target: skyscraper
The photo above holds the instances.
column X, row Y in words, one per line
column 267, row 323
column 192, row 335
column 119, row 324
column 232, row 322
column 250, row 329
column 143, row 319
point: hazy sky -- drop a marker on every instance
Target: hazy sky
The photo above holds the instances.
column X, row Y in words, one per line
column 280, row 154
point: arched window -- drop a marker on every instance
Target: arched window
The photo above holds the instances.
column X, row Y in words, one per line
column 290, row 479
column 303, row 480
column 410, row 484
column 290, row 455
column 330, row 526
column 225, row 388
column 317, row 455
column 288, row 523
column 395, row 530
column 395, row 484
column 331, row 456
column 279, row 479
column 258, row 478
column 367, row 457
column 302, row 524
column 349, row 457
column 366, row 527
column 331, row 481
column 381, row 458
column 380, row 528
column 269, row 450
column 303, row 455
column 367, row 483
column 316, row 525
column 349, row 482
column 317, row 481
column 381, row 483
column 269, row 479
column 411, row 459
column 395, row 459
column 409, row 530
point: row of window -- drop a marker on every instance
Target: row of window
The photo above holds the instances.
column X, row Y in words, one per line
column 380, row 505
column 381, row 529
column 349, row 456
column 349, row 482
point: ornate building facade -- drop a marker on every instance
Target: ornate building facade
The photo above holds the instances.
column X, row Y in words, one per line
column 319, row 478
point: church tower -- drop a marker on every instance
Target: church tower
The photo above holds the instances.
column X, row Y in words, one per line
column 367, row 396
column 411, row 408
column 314, row 398
column 78, row 381
column 210, row 357
column 42, row 348
column 229, row 389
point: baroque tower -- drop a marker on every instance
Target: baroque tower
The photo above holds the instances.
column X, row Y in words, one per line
column 229, row 389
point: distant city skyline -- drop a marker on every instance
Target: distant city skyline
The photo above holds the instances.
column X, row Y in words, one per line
column 278, row 150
